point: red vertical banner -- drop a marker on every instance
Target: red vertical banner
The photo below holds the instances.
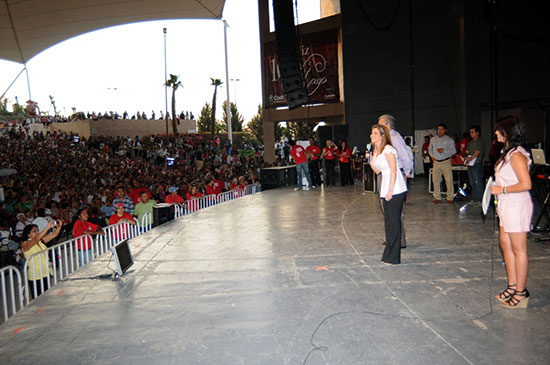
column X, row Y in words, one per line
column 319, row 56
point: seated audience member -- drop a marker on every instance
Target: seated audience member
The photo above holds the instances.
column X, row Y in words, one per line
column 173, row 197
column 83, row 227
column 144, row 206
column 135, row 193
column 108, row 209
column 94, row 216
column 21, row 223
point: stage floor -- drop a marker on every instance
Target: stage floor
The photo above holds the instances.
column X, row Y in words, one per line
column 292, row 277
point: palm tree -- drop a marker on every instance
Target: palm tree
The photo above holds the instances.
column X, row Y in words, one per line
column 174, row 83
column 215, row 83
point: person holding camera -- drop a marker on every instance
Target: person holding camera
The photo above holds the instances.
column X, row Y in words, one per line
column 34, row 243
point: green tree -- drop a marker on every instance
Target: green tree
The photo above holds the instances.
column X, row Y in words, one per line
column 256, row 125
column 18, row 111
column 300, row 131
column 203, row 123
column 237, row 119
column 174, row 83
column 278, row 131
column 215, row 83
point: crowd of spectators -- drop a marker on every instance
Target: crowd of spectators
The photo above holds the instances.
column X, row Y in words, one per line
column 58, row 174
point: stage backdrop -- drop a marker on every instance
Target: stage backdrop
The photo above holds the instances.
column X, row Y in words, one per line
column 319, row 55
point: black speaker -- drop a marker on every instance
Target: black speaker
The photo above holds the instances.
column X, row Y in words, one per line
column 290, row 69
column 162, row 213
column 332, row 132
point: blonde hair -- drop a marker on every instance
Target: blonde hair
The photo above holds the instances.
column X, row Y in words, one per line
column 385, row 134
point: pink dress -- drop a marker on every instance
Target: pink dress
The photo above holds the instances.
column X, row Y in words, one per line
column 514, row 209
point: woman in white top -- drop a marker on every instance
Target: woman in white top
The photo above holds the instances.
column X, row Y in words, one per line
column 393, row 191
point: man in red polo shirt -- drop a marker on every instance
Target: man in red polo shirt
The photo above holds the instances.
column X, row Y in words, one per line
column 298, row 153
column 313, row 153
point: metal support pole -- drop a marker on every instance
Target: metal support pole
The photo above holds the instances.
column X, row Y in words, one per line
column 13, row 82
column 165, row 87
column 28, row 81
column 228, row 112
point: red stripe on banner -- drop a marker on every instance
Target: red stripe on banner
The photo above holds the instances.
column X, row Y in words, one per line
column 61, row 292
column 40, row 310
column 17, row 330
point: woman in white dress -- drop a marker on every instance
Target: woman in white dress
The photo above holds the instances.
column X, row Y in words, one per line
column 393, row 191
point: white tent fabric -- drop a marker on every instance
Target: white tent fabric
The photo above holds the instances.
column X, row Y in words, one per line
column 27, row 27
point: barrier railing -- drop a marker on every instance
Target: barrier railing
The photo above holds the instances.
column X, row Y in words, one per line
column 11, row 290
column 44, row 269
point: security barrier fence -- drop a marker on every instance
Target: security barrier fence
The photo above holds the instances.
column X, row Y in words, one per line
column 44, row 269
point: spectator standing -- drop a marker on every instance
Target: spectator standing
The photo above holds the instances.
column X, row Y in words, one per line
column 143, row 207
column 442, row 147
column 173, row 197
column 34, row 243
column 329, row 153
column 120, row 216
column 474, row 160
column 515, row 209
column 344, row 155
column 298, row 153
column 83, row 227
column 314, row 154
column 124, row 199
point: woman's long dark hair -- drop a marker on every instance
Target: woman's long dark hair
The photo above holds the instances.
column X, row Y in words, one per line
column 511, row 127
column 26, row 231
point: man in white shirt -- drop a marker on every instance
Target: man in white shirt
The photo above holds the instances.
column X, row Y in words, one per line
column 404, row 163
column 40, row 221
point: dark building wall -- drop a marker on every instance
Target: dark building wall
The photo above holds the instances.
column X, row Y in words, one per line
column 377, row 72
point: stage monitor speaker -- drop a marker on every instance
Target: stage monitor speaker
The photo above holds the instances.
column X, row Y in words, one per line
column 162, row 213
column 291, row 72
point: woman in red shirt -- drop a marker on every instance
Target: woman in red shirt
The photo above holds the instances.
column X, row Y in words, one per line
column 193, row 197
column 329, row 153
column 83, row 227
column 122, row 231
column 344, row 155
column 234, row 184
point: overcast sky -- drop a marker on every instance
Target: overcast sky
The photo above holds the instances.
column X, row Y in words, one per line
column 122, row 68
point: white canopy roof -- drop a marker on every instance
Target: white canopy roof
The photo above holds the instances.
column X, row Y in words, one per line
column 27, row 27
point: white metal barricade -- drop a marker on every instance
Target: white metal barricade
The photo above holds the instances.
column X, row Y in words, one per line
column 48, row 267
column 11, row 291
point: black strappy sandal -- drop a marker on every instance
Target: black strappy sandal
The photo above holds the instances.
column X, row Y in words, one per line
column 515, row 302
column 507, row 293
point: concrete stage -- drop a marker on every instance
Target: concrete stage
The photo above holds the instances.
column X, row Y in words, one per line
column 287, row 277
